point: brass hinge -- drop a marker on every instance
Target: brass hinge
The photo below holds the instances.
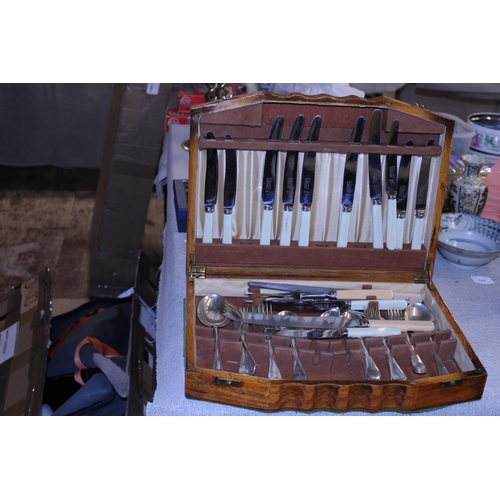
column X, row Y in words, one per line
column 425, row 276
column 195, row 271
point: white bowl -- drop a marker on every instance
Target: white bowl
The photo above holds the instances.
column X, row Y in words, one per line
column 487, row 126
column 468, row 241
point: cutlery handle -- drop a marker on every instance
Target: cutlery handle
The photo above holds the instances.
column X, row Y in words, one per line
column 265, row 233
column 363, row 294
column 416, row 240
column 208, row 227
column 343, row 229
column 361, row 305
column 414, row 326
column 391, row 241
column 399, row 232
column 305, row 223
column 286, row 228
column 227, row 237
column 370, row 331
column 378, row 240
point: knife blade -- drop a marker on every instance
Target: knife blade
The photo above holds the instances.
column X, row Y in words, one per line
column 230, row 182
column 402, row 194
column 211, row 184
column 289, row 183
column 328, row 323
column 349, row 183
column 357, row 294
column 269, row 182
column 375, row 181
column 391, row 168
column 307, row 183
column 421, row 201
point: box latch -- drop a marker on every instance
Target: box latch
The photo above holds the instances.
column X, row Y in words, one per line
column 424, row 277
column 195, row 271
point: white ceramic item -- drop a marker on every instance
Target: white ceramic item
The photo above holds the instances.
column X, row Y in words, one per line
column 487, row 126
column 468, row 241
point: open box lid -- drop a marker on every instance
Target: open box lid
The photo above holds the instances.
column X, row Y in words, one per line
column 248, row 120
column 25, row 314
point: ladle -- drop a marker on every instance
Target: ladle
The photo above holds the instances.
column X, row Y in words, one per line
column 209, row 315
column 298, row 370
column 419, row 311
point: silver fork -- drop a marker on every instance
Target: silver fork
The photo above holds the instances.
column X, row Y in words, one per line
column 417, row 364
column 273, row 370
column 373, row 312
column 247, row 361
column 371, row 369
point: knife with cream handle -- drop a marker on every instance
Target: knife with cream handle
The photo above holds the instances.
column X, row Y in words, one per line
column 349, row 183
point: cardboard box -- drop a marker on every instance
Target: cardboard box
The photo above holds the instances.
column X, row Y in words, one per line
column 142, row 348
column 133, row 147
column 181, row 206
column 25, row 314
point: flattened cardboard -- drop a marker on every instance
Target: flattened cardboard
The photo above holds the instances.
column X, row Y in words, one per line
column 25, row 314
column 130, row 160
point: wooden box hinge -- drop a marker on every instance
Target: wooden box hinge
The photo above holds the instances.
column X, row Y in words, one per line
column 425, row 276
column 195, row 271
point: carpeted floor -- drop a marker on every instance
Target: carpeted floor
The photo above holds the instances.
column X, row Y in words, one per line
column 45, row 221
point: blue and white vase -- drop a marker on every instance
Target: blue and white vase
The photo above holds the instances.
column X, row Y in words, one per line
column 468, row 192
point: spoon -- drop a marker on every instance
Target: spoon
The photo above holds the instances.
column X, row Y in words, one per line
column 247, row 361
column 298, row 370
column 209, row 315
column 419, row 311
column 371, row 369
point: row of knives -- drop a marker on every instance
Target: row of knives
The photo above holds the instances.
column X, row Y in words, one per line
column 397, row 174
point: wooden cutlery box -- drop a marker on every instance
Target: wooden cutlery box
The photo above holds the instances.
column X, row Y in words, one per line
column 238, row 130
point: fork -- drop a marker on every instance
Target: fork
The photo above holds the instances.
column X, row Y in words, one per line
column 273, row 370
column 417, row 364
column 247, row 361
column 373, row 312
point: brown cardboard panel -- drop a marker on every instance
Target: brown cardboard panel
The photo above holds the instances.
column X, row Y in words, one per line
column 132, row 151
column 24, row 334
column 142, row 349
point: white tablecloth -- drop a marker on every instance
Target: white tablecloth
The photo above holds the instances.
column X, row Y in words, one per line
column 474, row 305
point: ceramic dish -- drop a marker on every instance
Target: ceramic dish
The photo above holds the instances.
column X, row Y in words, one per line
column 487, row 126
column 468, row 241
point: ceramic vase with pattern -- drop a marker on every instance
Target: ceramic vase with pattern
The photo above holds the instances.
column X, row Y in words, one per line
column 468, row 192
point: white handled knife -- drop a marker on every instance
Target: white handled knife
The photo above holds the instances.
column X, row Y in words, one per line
column 391, row 169
column 289, row 183
column 375, row 181
column 421, row 202
column 269, row 182
column 307, row 183
column 349, row 183
column 230, row 182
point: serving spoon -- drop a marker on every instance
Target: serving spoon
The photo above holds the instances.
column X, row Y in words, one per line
column 209, row 315
column 420, row 312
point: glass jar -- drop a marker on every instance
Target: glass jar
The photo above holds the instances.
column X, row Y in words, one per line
column 468, row 191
